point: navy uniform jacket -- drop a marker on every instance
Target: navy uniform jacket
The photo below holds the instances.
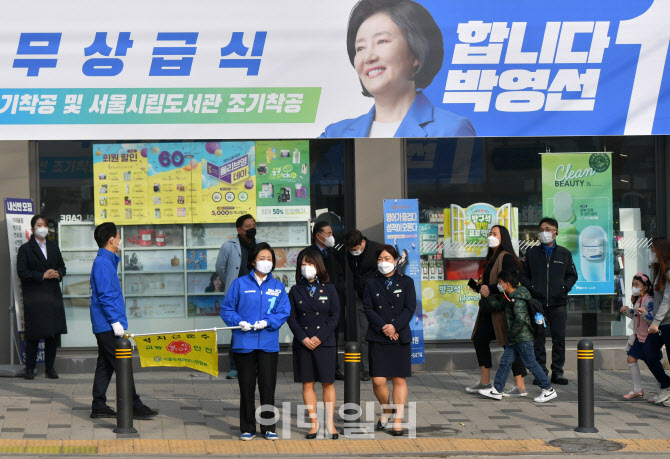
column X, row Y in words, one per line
column 394, row 306
column 315, row 315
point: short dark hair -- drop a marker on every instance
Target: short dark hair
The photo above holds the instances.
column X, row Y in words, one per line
column 37, row 217
column 313, row 256
column 549, row 220
column 103, row 232
column 253, row 253
column 422, row 33
column 240, row 221
column 509, row 278
column 353, row 238
column 318, row 228
column 386, row 248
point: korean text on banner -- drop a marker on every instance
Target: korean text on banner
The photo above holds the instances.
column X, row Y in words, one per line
column 195, row 350
column 18, row 213
column 401, row 230
column 577, row 192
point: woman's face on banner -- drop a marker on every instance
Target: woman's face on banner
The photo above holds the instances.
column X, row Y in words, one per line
column 383, row 60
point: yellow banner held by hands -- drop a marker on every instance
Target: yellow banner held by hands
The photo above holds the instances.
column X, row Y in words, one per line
column 195, row 350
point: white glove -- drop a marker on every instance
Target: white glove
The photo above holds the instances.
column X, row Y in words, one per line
column 246, row 326
column 118, row 329
column 260, row 325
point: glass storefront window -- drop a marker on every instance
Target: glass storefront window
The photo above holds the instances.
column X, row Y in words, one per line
column 500, row 171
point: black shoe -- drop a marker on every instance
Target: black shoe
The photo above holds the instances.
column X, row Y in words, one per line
column 382, row 426
column 334, row 436
column 339, row 376
column 365, row 376
column 144, row 412
column 51, row 374
column 396, row 433
column 106, row 412
column 560, row 380
column 312, row 436
column 30, row 374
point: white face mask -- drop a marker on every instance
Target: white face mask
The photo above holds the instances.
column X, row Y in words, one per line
column 42, row 232
column 355, row 252
column 635, row 291
column 546, row 237
column 501, row 288
column 329, row 241
column 308, row 272
column 385, row 267
column 264, row 266
column 652, row 257
column 493, row 242
column 118, row 244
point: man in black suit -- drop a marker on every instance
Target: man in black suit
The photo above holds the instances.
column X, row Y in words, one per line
column 324, row 242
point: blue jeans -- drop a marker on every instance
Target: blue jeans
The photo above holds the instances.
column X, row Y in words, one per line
column 652, row 347
column 525, row 351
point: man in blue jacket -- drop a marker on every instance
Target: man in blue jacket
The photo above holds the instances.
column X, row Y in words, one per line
column 108, row 316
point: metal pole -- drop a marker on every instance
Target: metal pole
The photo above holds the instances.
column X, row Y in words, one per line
column 585, row 387
column 352, row 383
column 124, row 387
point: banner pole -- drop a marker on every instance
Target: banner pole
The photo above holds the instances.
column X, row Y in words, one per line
column 133, row 335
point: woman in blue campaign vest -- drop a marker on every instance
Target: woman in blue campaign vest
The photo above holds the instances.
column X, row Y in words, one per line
column 390, row 302
column 258, row 303
column 315, row 312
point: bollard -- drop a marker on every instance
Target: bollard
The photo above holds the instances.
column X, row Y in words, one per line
column 585, row 387
column 124, row 387
column 352, row 380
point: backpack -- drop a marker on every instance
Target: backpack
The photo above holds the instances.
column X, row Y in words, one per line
column 536, row 314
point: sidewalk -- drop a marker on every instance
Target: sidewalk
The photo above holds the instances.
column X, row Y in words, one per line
column 199, row 415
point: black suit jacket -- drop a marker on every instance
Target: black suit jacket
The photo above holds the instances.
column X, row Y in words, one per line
column 395, row 306
column 315, row 315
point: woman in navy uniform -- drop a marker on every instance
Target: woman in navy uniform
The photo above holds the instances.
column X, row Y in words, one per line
column 390, row 302
column 315, row 312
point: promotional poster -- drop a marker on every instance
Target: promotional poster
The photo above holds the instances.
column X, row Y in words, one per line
column 449, row 309
column 401, row 230
column 478, row 68
column 577, row 192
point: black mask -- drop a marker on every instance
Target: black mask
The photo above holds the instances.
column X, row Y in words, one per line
column 250, row 233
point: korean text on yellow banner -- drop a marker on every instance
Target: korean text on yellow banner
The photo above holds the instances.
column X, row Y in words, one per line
column 195, row 350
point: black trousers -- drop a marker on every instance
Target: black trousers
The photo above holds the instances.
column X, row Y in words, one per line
column 252, row 366
column 50, row 346
column 557, row 320
column 104, row 370
column 482, row 341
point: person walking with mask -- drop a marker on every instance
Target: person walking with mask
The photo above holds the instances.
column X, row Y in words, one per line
column 315, row 312
column 40, row 267
column 549, row 273
column 362, row 260
column 333, row 261
column 231, row 263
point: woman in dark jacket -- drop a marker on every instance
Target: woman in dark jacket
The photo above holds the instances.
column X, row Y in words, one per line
column 491, row 324
column 315, row 312
column 390, row 301
column 41, row 268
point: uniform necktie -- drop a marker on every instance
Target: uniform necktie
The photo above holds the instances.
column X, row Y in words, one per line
column 311, row 289
column 389, row 282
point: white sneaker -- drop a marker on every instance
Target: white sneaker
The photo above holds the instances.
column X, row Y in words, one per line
column 663, row 395
column 654, row 399
column 514, row 391
column 491, row 393
column 546, row 395
column 477, row 387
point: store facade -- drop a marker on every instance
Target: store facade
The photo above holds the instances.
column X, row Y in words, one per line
column 524, row 80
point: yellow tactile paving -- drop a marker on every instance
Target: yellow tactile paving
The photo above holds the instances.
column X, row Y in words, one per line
column 187, row 447
column 259, row 445
column 151, row 446
column 294, row 447
column 329, row 446
column 42, row 450
column 657, row 446
column 363, row 446
column 632, row 446
column 434, row 444
column 469, row 444
column 12, row 442
column 222, row 447
column 115, row 446
column 502, row 446
column 399, row 445
column 71, row 447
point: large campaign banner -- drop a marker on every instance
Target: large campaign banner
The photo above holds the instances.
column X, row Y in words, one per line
column 401, row 230
column 577, row 192
column 263, row 69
